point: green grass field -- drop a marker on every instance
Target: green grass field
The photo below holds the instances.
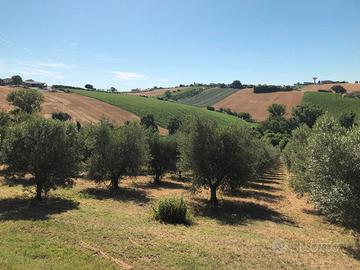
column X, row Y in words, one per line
column 263, row 226
column 163, row 111
column 335, row 104
column 209, row 97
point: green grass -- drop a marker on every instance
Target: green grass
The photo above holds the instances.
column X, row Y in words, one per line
column 209, row 97
column 88, row 227
column 163, row 111
column 332, row 103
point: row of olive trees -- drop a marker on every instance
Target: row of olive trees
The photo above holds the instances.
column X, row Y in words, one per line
column 55, row 151
column 325, row 161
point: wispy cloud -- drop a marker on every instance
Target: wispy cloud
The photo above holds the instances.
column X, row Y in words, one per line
column 128, row 76
column 43, row 73
column 13, row 44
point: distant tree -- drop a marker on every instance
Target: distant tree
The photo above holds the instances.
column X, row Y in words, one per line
column 245, row 116
column 5, row 121
column 89, row 86
column 236, row 84
column 210, row 108
column 217, row 156
column 306, row 114
column 47, row 149
column 338, row 89
column 113, row 89
column 148, row 121
column 62, row 116
column 117, row 152
column 167, row 94
column 16, row 80
column 347, row 120
column 276, row 110
column 2, row 82
column 27, row 100
column 163, row 156
column 174, row 125
column 356, row 81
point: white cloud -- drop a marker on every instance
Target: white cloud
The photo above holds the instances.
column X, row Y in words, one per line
column 128, row 76
column 43, row 73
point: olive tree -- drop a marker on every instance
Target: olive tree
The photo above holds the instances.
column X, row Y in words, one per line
column 306, row 114
column 117, row 151
column 217, row 156
column 27, row 100
column 47, row 149
column 163, row 155
column 276, row 110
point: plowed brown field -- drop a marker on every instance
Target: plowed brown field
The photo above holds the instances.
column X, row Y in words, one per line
column 81, row 108
column 246, row 100
column 350, row 87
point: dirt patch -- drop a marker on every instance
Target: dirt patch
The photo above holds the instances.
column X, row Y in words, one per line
column 350, row 87
column 246, row 100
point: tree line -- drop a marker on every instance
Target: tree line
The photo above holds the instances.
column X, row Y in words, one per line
column 55, row 151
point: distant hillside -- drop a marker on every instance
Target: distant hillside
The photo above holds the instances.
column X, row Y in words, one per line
column 209, row 96
column 335, row 104
column 350, row 87
column 163, row 111
column 245, row 100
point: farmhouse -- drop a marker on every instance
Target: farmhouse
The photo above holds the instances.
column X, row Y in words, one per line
column 32, row 83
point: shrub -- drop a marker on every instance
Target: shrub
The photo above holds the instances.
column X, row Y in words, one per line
column 245, row 116
column 271, row 88
column 89, row 86
column 338, row 89
column 347, row 120
column 62, row 116
column 236, row 84
column 171, row 210
column 148, row 122
column 27, row 100
column 306, row 114
column 210, row 108
column 276, row 110
column 174, row 125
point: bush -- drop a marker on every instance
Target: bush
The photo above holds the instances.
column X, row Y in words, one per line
column 62, row 116
column 27, row 100
column 210, row 108
column 271, row 88
column 338, row 89
column 171, row 210
column 347, row 120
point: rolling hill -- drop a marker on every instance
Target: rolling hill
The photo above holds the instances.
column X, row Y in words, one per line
column 245, row 100
column 350, row 87
column 209, row 96
column 163, row 111
column 334, row 104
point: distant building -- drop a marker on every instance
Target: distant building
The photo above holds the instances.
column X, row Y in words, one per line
column 32, row 83
column 7, row 81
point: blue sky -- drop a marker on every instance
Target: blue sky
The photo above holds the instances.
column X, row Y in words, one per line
column 130, row 43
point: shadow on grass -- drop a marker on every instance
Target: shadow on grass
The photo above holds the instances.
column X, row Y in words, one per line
column 353, row 251
column 183, row 179
column 259, row 195
column 261, row 186
column 123, row 194
column 30, row 209
column 13, row 181
column 236, row 213
column 161, row 185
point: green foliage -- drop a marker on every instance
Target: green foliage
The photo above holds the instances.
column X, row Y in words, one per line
column 338, row 89
column 277, row 125
column 168, row 94
column 2, row 82
column 89, row 86
column 163, row 156
column 174, row 125
column 306, row 114
column 326, row 163
column 62, row 116
column 27, row 100
column 347, row 120
column 48, row 149
column 171, row 210
column 236, row 84
column 163, row 111
column 218, row 156
column 16, row 80
column 148, row 122
column 210, row 108
column 117, row 151
column 271, row 88
column 245, row 116
column 276, row 110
